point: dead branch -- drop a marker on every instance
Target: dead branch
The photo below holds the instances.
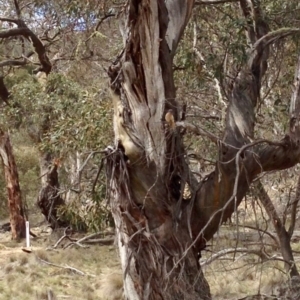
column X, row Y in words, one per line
column 202, row 64
column 13, row 62
column 66, row 267
column 23, row 30
column 258, row 296
column 197, row 130
column 105, row 241
column 90, row 239
column 261, row 253
column 75, row 243
column 14, row 32
column 272, row 236
column 65, row 236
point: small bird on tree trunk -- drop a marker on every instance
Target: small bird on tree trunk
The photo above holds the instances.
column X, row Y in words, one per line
column 169, row 117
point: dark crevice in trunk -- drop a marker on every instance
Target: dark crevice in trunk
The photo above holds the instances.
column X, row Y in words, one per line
column 49, row 200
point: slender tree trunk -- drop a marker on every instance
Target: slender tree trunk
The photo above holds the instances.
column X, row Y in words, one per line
column 283, row 235
column 17, row 218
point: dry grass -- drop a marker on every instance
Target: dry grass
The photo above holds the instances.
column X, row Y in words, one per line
column 235, row 279
column 111, row 284
column 238, row 275
column 23, row 276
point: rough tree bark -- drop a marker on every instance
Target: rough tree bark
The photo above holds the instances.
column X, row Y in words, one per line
column 17, row 217
column 161, row 236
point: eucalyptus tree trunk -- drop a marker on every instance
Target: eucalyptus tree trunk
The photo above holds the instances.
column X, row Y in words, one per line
column 17, row 218
column 74, row 174
column 161, row 234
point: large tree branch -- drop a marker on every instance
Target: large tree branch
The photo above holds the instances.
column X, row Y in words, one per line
column 14, row 32
column 23, row 30
column 13, row 62
column 222, row 191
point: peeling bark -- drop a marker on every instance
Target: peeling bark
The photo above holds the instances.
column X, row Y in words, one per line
column 147, row 170
column 17, row 217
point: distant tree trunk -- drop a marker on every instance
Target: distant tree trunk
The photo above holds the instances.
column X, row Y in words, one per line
column 161, row 234
column 282, row 233
column 17, row 218
column 74, row 166
column 49, row 199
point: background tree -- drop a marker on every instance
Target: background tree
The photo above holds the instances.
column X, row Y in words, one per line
column 57, row 111
column 16, row 209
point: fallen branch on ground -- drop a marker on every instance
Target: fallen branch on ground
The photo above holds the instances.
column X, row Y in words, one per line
column 66, row 267
column 260, row 253
column 105, row 241
column 89, row 239
column 65, row 236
